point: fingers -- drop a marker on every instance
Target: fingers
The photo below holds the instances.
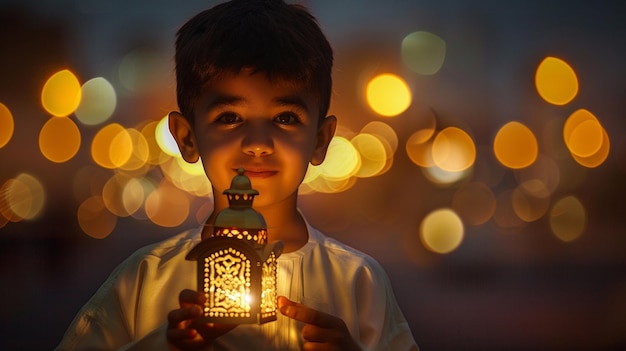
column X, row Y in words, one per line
column 188, row 297
column 306, row 314
column 179, row 332
column 321, row 331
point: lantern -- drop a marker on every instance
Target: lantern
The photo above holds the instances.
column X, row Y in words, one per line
column 236, row 266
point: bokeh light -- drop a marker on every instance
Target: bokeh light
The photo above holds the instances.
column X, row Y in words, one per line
column 111, row 147
column 384, row 131
column 112, row 195
column 442, row 177
column 59, row 139
column 419, row 148
column 515, row 146
column 453, row 150
column 155, row 154
column 372, row 152
column 167, row 206
column 441, row 231
column 530, row 200
column 342, row 160
column 140, row 151
column 586, row 139
column 61, row 94
column 189, row 177
column 599, row 157
column 556, row 81
column 98, row 102
column 7, row 125
column 388, row 95
column 568, row 218
column 544, row 170
column 474, row 202
column 423, row 52
column 94, row 218
column 23, row 197
column 164, row 138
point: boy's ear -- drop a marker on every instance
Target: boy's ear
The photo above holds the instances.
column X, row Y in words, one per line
column 183, row 134
column 325, row 133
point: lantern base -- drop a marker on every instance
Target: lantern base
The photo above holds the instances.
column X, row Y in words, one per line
column 254, row 319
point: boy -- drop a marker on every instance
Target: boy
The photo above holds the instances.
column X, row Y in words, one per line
column 253, row 87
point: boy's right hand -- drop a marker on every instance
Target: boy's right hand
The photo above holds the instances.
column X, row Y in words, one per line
column 184, row 332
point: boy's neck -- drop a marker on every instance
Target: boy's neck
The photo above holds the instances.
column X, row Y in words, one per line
column 284, row 222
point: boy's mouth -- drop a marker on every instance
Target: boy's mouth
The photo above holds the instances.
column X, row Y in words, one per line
column 259, row 173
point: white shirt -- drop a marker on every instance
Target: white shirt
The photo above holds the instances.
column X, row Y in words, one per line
column 129, row 311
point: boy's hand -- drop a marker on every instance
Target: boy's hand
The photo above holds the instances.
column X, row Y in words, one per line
column 184, row 332
column 321, row 331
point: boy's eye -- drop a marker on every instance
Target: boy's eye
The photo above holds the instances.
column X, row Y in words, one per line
column 287, row 118
column 228, row 118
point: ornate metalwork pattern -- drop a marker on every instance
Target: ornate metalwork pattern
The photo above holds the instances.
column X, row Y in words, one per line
column 268, row 287
column 227, row 284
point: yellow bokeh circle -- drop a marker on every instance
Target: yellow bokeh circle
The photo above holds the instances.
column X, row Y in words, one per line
column 388, row 95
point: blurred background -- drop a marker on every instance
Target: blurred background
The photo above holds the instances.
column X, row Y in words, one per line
column 479, row 159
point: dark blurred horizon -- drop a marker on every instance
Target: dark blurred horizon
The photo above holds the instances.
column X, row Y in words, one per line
column 508, row 285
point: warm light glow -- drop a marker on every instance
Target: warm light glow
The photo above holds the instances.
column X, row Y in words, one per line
column 388, row 95
column 442, row 231
column 453, row 150
column 384, row 132
column 556, row 81
column 586, row 138
column 475, row 203
column 155, row 155
column 61, row 93
column 543, row 170
column 167, row 206
column 419, row 148
column 121, row 148
column 98, row 101
column 423, row 52
column 342, row 160
column 134, row 194
column 599, row 157
column 24, row 196
column 140, row 150
column 515, row 146
column 372, row 153
column 107, row 149
column 112, row 194
column 322, row 184
column 188, row 177
column 7, row 125
column 530, row 200
column 164, row 138
column 442, row 177
column 59, row 139
column 582, row 133
column 94, row 219
column 568, row 218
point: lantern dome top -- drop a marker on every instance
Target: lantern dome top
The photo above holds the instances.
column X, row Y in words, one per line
column 240, row 185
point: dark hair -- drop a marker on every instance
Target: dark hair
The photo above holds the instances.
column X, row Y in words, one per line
column 281, row 40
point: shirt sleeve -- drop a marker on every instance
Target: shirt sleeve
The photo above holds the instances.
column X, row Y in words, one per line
column 382, row 326
column 106, row 321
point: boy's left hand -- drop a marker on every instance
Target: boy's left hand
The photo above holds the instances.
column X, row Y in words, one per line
column 321, row 331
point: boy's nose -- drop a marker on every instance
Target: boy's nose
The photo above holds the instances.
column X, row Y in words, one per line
column 258, row 143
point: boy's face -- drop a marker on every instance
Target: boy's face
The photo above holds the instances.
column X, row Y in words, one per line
column 271, row 130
